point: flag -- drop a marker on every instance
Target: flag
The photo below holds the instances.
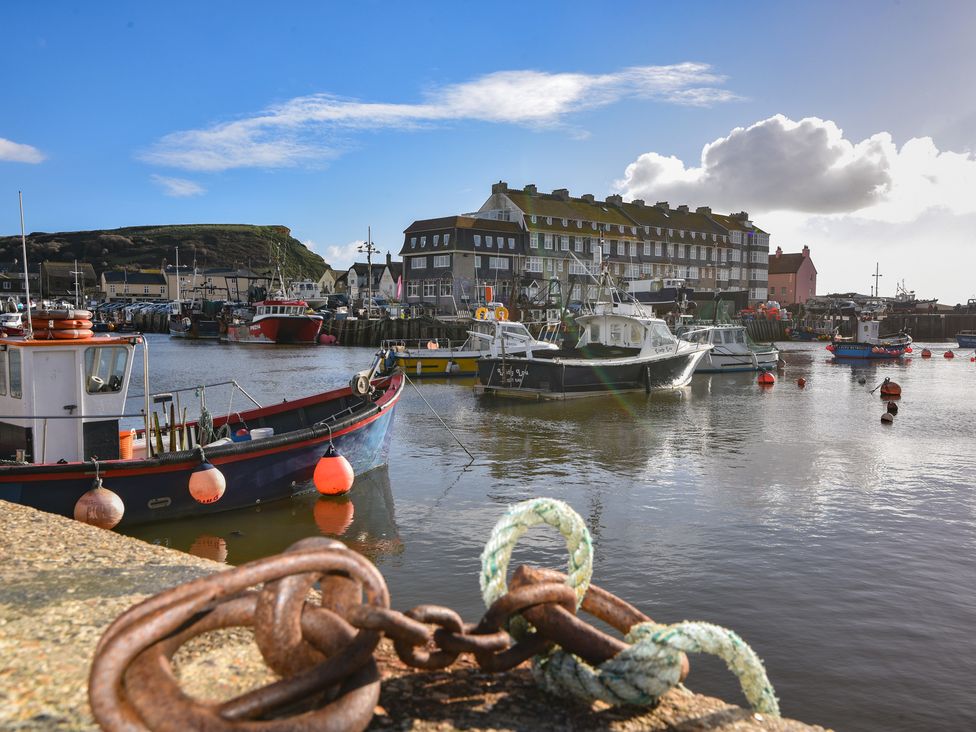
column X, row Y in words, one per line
column 399, row 287
column 488, row 293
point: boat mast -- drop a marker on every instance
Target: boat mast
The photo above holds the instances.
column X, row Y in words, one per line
column 23, row 243
column 75, row 273
column 179, row 296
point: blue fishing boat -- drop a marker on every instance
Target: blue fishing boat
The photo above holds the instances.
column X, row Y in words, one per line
column 867, row 344
column 966, row 338
column 61, row 436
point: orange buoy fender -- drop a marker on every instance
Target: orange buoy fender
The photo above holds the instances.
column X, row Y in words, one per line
column 801, row 382
column 333, row 515
column 333, row 473
column 890, row 388
column 887, row 418
column 926, row 353
column 766, row 379
column 948, row 354
column 100, row 507
column 207, row 484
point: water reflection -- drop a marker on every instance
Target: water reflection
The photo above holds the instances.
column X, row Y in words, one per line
column 363, row 519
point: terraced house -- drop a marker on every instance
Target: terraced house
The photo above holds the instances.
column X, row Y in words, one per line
column 549, row 241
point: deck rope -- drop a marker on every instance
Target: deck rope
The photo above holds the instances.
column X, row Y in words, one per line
column 651, row 666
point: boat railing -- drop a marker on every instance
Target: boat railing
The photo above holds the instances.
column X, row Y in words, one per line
column 400, row 345
column 232, row 382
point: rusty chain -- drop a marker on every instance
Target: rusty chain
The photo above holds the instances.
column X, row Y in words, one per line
column 323, row 653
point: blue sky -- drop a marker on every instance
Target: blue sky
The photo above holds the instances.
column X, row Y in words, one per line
column 849, row 127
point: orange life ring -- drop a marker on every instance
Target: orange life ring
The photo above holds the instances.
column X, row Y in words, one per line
column 60, row 324
column 69, row 334
column 481, row 313
column 501, row 313
column 62, row 314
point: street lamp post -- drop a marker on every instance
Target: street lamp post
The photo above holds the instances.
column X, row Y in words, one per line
column 369, row 249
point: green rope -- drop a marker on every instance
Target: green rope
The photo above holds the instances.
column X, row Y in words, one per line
column 519, row 519
column 651, row 666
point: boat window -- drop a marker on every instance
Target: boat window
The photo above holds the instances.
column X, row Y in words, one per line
column 660, row 335
column 16, row 388
column 594, row 332
column 636, row 334
column 3, row 373
column 105, row 369
column 740, row 337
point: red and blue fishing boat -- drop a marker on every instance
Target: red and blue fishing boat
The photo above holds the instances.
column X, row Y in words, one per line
column 64, row 449
column 866, row 344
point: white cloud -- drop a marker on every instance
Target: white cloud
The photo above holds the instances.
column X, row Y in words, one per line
column 16, row 152
column 809, row 166
column 338, row 256
column 853, row 203
column 307, row 129
column 178, row 187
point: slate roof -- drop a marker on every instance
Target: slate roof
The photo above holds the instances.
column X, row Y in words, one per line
column 117, row 277
column 785, row 263
column 462, row 222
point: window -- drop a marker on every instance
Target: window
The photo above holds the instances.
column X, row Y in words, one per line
column 442, row 260
column 621, row 248
column 423, row 242
column 446, row 289
column 498, row 263
column 447, row 239
column 6, row 285
column 413, row 289
column 565, row 222
column 430, row 289
column 533, row 218
column 549, row 220
column 418, row 263
column 489, row 241
column 564, row 243
column 620, row 228
column 579, row 223
column 104, row 369
column 594, row 225
column 437, row 239
column 477, row 262
column 16, row 386
column 413, row 242
column 633, row 249
column 145, row 289
column 477, row 240
column 658, row 249
column 534, row 240
column 533, row 264
column 548, row 241
column 578, row 243
column 511, row 242
column 647, row 249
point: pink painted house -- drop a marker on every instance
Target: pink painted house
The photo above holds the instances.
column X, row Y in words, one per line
column 792, row 277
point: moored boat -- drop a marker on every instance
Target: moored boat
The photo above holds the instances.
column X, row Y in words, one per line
column 966, row 338
column 63, row 402
column 868, row 344
column 621, row 348
column 732, row 350
column 275, row 320
column 488, row 337
column 189, row 320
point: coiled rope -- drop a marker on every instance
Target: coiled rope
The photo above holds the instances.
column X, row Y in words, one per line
column 651, row 666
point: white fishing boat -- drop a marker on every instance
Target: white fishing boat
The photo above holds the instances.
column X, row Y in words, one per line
column 732, row 350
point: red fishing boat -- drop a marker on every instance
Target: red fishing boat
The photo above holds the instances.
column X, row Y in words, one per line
column 276, row 320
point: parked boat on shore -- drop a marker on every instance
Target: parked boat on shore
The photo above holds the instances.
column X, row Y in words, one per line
column 732, row 350
column 63, row 400
column 621, row 348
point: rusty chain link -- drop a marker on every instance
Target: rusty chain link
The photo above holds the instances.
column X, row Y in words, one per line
column 323, row 653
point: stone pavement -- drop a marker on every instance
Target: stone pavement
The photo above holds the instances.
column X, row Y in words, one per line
column 62, row 583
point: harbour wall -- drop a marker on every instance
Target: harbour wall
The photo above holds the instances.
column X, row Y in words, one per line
column 931, row 326
column 64, row 582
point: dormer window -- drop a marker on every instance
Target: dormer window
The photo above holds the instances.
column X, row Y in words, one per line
column 423, row 242
column 413, row 242
column 620, row 228
column 579, row 223
column 565, row 222
column 532, row 218
column 549, row 220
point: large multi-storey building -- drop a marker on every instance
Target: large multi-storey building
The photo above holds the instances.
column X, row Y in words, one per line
column 549, row 241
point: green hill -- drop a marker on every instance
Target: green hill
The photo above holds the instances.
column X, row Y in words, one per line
column 149, row 247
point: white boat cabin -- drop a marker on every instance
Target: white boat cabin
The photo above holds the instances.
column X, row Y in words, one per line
column 281, row 308
column 617, row 328
column 61, row 399
column 496, row 337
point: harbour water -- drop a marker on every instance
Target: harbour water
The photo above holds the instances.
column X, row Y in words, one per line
column 841, row 549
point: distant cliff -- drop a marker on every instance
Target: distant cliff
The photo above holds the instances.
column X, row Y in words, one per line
column 149, row 247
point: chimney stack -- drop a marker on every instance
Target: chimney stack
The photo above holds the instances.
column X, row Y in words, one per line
column 779, row 252
column 704, row 210
column 561, row 193
column 531, row 189
column 615, row 199
column 499, row 187
column 683, row 208
column 638, row 202
column 663, row 205
column 806, row 251
column 588, row 197
column 389, row 258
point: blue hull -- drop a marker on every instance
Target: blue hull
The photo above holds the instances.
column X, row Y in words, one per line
column 966, row 341
column 866, row 350
column 256, row 471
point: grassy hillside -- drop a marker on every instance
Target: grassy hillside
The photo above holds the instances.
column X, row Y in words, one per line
column 148, row 247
